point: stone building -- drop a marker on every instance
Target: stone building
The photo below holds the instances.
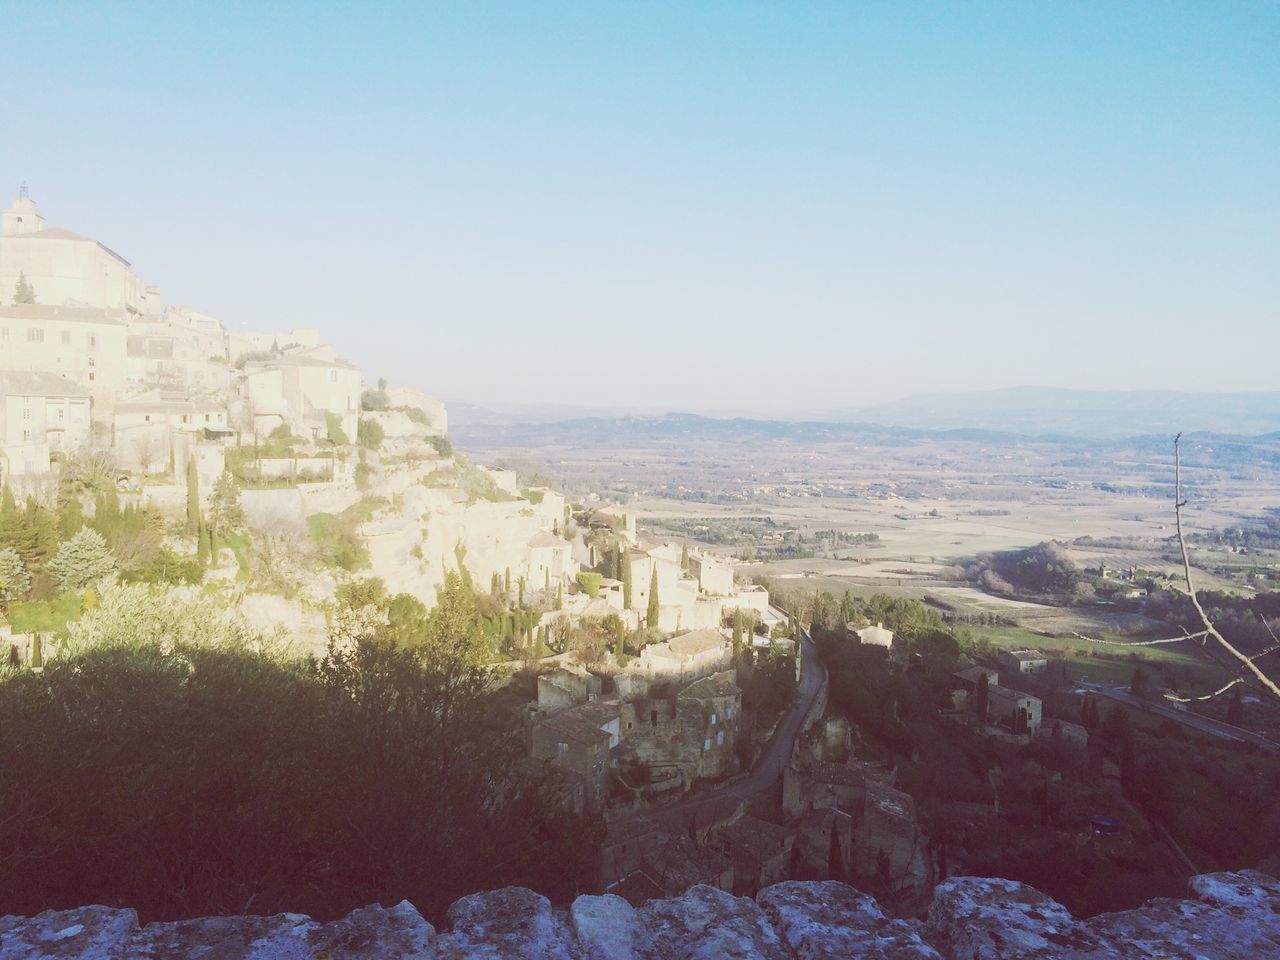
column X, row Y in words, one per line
column 64, row 268
column 761, row 852
column 41, row 415
column 576, row 747
column 1018, row 711
column 567, row 686
column 1023, row 661
column 87, row 345
column 889, row 827
column 145, row 428
column 687, row 657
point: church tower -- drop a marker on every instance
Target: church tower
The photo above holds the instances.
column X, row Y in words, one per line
column 21, row 216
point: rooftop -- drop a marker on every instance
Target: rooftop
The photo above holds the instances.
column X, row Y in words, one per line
column 723, row 684
column 692, row 643
column 46, row 311
column 572, row 729
column 22, row 384
column 59, row 233
column 1022, row 655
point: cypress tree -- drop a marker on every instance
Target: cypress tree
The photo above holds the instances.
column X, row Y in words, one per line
column 982, row 698
column 560, row 596
column 626, row 581
column 522, row 593
column 684, row 557
column 620, row 634
column 506, row 582
column 651, row 615
column 193, row 497
column 202, row 547
column 737, row 630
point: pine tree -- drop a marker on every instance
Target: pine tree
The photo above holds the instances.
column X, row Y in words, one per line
column 82, row 560
column 651, row 615
column 23, row 291
column 15, row 582
column 193, row 497
column 626, row 581
column 70, row 517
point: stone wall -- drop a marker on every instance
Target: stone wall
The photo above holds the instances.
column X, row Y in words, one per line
column 1227, row 916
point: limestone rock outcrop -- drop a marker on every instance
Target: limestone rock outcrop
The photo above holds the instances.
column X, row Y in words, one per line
column 1228, row 916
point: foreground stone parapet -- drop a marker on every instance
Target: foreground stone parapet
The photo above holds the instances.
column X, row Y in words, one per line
column 1230, row 916
column 94, row 933
column 818, row 921
column 508, row 924
column 1235, row 916
column 984, row 918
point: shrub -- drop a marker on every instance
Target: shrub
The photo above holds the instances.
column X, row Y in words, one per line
column 15, row 581
column 369, row 433
column 590, row 583
column 81, row 560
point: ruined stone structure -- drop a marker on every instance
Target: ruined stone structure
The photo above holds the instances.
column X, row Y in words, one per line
column 1227, row 916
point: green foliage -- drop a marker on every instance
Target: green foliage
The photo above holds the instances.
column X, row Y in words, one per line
column 534, row 496
column 32, row 532
column 281, row 433
column 193, row 497
column 333, row 430
column 226, row 514
column 652, row 614
column 44, row 616
column 590, row 583
column 626, row 579
column 375, row 400
column 82, row 560
column 369, row 433
column 441, row 445
column 251, row 356
column 365, row 592
column 15, row 582
column 167, row 567
column 23, row 292
column 338, row 540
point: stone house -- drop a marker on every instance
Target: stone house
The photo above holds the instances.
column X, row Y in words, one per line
column 1018, row 711
column 687, row 657
column 814, row 844
column 576, row 747
column 144, row 428
column 875, row 636
column 888, row 826
column 761, row 852
column 41, row 415
column 690, row 734
column 311, row 384
column 1023, row 661
column 84, row 344
column 567, row 686
column 1064, row 731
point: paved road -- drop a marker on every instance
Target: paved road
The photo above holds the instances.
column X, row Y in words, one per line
column 1214, row 728
column 772, row 760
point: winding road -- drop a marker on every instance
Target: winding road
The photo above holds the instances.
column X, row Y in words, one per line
column 772, row 760
column 1215, row 728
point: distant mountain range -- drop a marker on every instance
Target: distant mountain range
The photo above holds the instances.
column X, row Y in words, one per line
column 1100, row 414
column 1007, row 414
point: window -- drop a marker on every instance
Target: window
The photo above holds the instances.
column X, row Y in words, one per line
column 66, row 338
column 93, row 341
column 333, row 376
column 26, row 413
column 62, row 414
column 713, row 719
column 92, row 375
column 719, row 738
column 26, row 436
column 35, row 335
column 706, row 744
column 562, row 747
column 653, row 717
column 186, row 418
column 146, row 418
column 4, row 333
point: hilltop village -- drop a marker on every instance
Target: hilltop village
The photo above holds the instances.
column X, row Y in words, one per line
column 151, row 459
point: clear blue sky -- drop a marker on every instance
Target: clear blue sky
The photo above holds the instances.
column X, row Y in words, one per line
column 702, row 206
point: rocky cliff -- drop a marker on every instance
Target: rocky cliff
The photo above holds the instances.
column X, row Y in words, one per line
column 1226, row 915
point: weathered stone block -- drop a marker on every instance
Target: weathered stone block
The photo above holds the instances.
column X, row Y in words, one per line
column 708, row 924
column 513, row 923
column 93, row 933
column 983, row 918
column 832, row 921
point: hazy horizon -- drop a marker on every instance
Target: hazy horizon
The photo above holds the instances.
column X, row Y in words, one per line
column 681, row 208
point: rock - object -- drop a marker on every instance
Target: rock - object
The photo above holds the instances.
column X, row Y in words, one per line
column 1228, row 916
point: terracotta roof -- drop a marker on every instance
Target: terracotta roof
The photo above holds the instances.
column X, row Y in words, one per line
column 723, row 684
column 574, row 730
column 16, row 383
column 48, row 311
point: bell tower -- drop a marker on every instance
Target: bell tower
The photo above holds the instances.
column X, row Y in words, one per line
column 21, row 216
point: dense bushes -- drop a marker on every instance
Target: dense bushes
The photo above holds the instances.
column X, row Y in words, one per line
column 186, row 780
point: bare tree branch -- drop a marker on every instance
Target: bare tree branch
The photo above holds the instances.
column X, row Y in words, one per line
column 1143, row 643
column 1209, row 627
column 1207, row 696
